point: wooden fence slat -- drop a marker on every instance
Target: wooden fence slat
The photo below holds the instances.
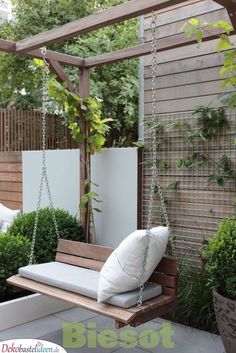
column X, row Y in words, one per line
column 21, row 131
column 11, row 177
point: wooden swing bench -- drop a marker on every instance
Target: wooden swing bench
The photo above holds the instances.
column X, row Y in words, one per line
column 93, row 257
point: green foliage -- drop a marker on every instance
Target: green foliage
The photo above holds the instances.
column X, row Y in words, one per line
column 138, row 144
column 46, row 241
column 177, row 124
column 90, row 196
column 225, row 170
column 228, row 71
column 162, row 165
column 210, row 121
column 71, row 107
column 173, row 185
column 194, row 300
column 220, row 259
column 116, row 85
column 14, row 253
column 196, row 159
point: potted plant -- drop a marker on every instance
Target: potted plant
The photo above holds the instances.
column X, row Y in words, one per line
column 220, row 260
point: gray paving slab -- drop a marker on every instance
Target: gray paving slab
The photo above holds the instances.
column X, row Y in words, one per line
column 158, row 336
column 75, row 315
column 127, row 350
column 104, row 325
column 34, row 329
column 184, row 339
column 57, row 337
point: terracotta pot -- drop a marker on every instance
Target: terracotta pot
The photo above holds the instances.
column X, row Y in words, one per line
column 225, row 310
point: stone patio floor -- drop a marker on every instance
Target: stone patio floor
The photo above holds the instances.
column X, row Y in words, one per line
column 157, row 336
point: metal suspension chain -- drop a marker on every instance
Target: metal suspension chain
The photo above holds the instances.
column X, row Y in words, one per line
column 44, row 175
column 155, row 182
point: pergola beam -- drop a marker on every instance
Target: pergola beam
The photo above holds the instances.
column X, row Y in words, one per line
column 232, row 15
column 163, row 44
column 131, row 9
column 226, row 3
column 230, row 6
column 61, row 75
column 10, row 47
column 109, row 58
column 61, row 57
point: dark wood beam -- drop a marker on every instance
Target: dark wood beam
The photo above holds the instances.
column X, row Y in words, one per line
column 9, row 47
column 85, row 160
column 226, row 3
column 163, row 44
column 131, row 9
column 61, row 75
column 232, row 15
column 230, row 6
column 108, row 58
column 53, row 55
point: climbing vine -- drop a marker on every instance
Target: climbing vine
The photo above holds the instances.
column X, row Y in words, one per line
column 207, row 126
column 197, row 27
column 72, row 107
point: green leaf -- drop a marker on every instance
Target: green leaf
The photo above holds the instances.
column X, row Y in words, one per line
column 97, row 209
column 221, row 182
column 224, row 43
column 138, row 144
column 38, row 62
column 194, row 22
column 199, row 36
column 222, row 25
column 173, row 185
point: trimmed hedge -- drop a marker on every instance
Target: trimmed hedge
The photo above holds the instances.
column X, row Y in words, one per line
column 220, row 259
column 46, row 241
column 14, row 253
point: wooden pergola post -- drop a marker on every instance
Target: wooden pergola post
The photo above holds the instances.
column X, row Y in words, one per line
column 85, row 160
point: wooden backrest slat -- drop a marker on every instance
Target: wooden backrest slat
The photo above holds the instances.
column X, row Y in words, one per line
column 170, row 292
column 89, row 251
column 79, row 261
column 169, row 266
column 164, row 280
column 93, row 257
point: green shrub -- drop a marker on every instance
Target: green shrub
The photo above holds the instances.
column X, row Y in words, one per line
column 46, row 241
column 14, row 252
column 194, row 300
column 220, row 259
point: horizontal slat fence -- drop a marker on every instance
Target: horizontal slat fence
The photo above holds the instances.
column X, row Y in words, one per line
column 11, row 179
column 21, row 131
column 187, row 77
column 195, row 205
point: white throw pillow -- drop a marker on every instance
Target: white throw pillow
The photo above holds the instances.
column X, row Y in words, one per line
column 122, row 272
column 7, row 216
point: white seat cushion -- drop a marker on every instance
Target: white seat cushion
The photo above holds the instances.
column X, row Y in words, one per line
column 124, row 269
column 7, row 216
column 83, row 281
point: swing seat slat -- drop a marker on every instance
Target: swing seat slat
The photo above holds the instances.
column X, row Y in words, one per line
column 93, row 257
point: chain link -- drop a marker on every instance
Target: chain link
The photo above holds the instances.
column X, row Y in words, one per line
column 155, row 182
column 44, row 174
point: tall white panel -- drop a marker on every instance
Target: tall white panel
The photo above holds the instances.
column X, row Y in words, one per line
column 114, row 170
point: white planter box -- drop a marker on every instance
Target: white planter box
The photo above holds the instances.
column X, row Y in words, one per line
column 20, row 311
